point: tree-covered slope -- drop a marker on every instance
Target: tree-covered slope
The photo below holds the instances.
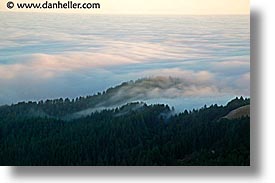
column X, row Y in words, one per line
column 134, row 134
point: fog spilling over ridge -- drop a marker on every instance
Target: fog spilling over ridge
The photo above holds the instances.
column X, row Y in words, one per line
column 161, row 87
column 207, row 58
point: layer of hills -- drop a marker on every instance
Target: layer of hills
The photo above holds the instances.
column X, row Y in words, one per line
column 94, row 131
column 127, row 92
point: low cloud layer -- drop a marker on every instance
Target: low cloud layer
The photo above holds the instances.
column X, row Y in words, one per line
column 160, row 87
column 46, row 57
column 164, row 87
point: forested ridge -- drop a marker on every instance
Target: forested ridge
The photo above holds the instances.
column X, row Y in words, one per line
column 36, row 133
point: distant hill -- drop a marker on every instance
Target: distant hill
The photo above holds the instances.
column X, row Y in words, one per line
column 243, row 111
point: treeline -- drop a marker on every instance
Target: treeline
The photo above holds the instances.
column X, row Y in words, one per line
column 60, row 108
column 135, row 134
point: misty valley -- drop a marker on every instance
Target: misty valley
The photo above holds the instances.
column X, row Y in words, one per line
column 119, row 130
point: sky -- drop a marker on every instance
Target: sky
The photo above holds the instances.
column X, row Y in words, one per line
column 198, row 7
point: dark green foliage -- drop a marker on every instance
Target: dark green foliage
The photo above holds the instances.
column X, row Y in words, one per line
column 135, row 134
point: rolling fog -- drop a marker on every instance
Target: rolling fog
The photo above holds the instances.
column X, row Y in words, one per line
column 188, row 61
